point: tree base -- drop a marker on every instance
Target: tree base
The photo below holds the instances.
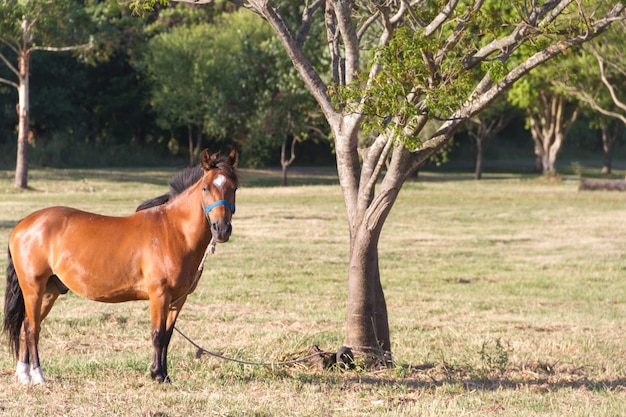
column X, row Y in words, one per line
column 346, row 359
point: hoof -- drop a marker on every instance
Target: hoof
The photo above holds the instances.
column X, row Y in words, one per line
column 163, row 379
column 22, row 372
column 36, row 376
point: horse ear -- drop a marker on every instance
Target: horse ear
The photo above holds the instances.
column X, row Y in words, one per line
column 206, row 159
column 233, row 157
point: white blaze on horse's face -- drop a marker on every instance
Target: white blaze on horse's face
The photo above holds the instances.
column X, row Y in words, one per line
column 219, row 181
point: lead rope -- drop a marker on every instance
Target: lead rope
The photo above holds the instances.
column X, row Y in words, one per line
column 201, row 350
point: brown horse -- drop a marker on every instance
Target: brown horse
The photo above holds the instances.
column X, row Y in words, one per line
column 155, row 254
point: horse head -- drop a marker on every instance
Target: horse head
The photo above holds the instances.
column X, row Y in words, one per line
column 219, row 184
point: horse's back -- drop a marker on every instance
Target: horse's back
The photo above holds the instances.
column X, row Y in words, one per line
column 55, row 225
column 79, row 247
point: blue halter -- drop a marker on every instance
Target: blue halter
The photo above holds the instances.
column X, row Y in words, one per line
column 211, row 206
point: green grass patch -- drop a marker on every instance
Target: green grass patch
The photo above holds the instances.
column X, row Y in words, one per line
column 506, row 297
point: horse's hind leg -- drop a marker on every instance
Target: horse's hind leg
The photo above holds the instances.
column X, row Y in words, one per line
column 22, row 371
column 37, row 308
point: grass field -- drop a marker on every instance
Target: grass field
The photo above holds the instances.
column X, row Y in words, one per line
column 507, row 297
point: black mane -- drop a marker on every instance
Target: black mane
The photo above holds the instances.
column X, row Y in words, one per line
column 185, row 179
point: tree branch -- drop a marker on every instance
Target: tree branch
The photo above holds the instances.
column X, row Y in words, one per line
column 373, row 163
column 343, row 11
column 9, row 44
column 591, row 102
column 9, row 82
column 367, row 24
column 305, row 27
column 457, row 34
column 607, row 84
column 311, row 78
column 60, row 49
column 404, row 8
column 482, row 97
column 238, row 2
column 440, row 18
column 522, row 30
column 473, row 106
column 332, row 36
column 9, row 65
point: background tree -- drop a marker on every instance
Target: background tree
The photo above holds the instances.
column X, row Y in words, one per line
column 550, row 114
column 26, row 27
column 600, row 87
column 209, row 78
column 435, row 61
column 484, row 126
column 287, row 115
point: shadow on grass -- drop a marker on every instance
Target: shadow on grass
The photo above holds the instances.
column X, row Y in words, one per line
column 537, row 377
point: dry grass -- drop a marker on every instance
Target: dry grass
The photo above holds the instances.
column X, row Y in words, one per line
column 506, row 298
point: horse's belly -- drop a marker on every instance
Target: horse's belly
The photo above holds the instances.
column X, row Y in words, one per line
column 107, row 293
column 105, row 287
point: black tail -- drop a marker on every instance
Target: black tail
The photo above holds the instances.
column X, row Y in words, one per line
column 14, row 310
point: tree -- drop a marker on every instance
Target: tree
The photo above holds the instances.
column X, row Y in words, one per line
column 26, row 27
column 599, row 87
column 206, row 78
column 484, row 126
column 431, row 61
column 176, row 65
column 550, row 116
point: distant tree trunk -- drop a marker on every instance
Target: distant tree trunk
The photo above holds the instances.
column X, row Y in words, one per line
column 610, row 133
column 194, row 149
column 483, row 130
column 23, row 108
column 190, row 144
column 478, row 167
column 284, row 162
column 198, row 147
column 23, row 45
column 549, row 127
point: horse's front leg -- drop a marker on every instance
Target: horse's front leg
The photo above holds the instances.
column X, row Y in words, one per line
column 163, row 317
column 158, row 315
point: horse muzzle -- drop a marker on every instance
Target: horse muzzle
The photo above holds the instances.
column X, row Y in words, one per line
column 221, row 230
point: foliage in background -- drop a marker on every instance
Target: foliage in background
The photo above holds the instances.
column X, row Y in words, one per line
column 105, row 108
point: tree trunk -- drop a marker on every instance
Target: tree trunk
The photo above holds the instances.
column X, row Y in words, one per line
column 198, row 147
column 367, row 324
column 478, row 169
column 549, row 127
column 610, row 133
column 283, row 180
column 482, row 130
column 190, row 144
column 21, row 165
column 284, row 162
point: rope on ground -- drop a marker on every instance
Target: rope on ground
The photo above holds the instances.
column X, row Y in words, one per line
column 202, row 350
